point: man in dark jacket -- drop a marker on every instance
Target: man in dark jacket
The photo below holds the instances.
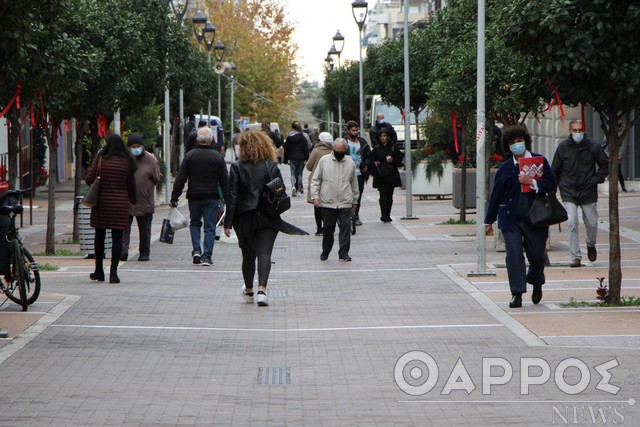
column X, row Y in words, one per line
column 378, row 126
column 191, row 139
column 579, row 165
column 360, row 152
column 206, row 171
column 296, row 153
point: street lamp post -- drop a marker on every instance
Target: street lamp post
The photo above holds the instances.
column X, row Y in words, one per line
column 407, row 118
column 218, row 51
column 209, row 34
column 328, row 65
column 360, row 9
column 338, row 46
column 232, row 76
column 199, row 20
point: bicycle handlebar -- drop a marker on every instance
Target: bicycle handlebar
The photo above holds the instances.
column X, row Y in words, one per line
column 12, row 196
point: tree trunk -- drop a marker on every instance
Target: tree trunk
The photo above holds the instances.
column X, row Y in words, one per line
column 77, row 179
column 50, row 244
column 615, row 267
column 14, row 146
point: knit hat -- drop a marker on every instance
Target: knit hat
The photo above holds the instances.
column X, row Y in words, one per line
column 326, row 138
column 135, row 138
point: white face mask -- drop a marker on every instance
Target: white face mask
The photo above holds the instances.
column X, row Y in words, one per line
column 577, row 137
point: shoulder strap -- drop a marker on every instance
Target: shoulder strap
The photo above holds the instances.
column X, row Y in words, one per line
column 99, row 172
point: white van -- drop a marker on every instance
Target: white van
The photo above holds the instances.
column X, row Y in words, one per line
column 393, row 116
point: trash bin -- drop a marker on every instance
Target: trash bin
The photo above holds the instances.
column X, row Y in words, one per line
column 86, row 233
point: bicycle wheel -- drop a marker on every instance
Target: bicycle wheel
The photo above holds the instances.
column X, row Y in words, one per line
column 30, row 277
column 19, row 274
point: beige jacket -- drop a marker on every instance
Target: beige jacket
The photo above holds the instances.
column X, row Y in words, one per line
column 335, row 183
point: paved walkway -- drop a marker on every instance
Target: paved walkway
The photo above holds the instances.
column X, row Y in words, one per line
column 174, row 343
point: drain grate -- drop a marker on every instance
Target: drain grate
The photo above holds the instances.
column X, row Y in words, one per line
column 274, row 376
column 280, row 249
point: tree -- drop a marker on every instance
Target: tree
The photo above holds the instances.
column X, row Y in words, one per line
column 259, row 42
column 587, row 50
column 342, row 84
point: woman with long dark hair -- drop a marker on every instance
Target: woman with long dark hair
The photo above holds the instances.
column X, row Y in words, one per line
column 256, row 230
column 116, row 167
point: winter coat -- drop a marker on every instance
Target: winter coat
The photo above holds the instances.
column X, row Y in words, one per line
column 375, row 131
column 379, row 154
column 117, row 190
column 578, row 169
column 206, row 171
column 147, row 176
column 335, row 183
column 246, row 181
column 321, row 150
column 503, row 203
column 296, row 147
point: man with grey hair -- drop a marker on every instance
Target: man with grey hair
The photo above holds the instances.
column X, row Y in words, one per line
column 334, row 189
column 205, row 170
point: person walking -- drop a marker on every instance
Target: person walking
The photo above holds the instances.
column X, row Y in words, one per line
column 510, row 206
column 296, row 153
column 579, row 165
column 360, row 152
column 115, row 166
column 380, row 124
column 323, row 148
column 334, row 189
column 256, row 230
column 191, row 139
column 147, row 176
column 206, row 171
column 385, row 160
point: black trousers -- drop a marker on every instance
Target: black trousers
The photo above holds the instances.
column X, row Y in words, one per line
column 256, row 243
column 532, row 241
column 317, row 214
column 144, row 228
column 116, row 248
column 386, row 200
column 360, row 189
column 343, row 218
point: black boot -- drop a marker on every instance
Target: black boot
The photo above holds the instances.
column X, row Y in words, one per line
column 113, row 274
column 516, row 301
column 97, row 275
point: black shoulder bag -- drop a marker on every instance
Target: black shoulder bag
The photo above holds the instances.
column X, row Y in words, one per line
column 274, row 200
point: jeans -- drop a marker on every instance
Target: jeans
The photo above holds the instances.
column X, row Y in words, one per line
column 533, row 240
column 203, row 211
column 590, row 218
column 144, row 228
column 329, row 218
column 297, row 167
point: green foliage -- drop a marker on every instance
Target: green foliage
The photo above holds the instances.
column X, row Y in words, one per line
column 59, row 252
column 146, row 122
column 48, row 267
column 452, row 221
column 342, row 84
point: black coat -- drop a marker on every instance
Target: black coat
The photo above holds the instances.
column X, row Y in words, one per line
column 379, row 154
column 296, row 147
column 206, row 171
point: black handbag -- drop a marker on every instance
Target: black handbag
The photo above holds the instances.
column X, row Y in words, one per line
column 274, row 199
column 546, row 210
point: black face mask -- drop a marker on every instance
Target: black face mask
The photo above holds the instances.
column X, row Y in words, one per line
column 339, row 155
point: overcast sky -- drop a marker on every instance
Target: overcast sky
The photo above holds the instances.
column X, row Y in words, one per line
column 316, row 22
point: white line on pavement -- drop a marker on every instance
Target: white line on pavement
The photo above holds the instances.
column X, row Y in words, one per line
column 355, row 328
column 209, row 271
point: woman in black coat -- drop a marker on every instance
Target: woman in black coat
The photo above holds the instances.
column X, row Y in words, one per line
column 385, row 158
column 116, row 167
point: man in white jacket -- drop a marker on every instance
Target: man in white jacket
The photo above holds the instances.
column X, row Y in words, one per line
column 334, row 189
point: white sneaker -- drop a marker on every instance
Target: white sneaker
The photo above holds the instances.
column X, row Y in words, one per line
column 247, row 298
column 262, row 299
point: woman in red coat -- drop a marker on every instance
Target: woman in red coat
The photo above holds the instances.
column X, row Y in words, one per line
column 116, row 167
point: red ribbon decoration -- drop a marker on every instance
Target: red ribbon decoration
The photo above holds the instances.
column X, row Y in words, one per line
column 44, row 117
column 584, row 125
column 102, row 125
column 67, row 125
column 18, row 89
column 555, row 91
column 454, row 125
column 16, row 99
column 34, row 122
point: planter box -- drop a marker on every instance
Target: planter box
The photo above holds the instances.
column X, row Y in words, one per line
column 471, row 187
column 434, row 186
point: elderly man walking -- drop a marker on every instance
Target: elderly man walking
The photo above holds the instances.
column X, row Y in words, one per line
column 206, row 171
column 334, row 189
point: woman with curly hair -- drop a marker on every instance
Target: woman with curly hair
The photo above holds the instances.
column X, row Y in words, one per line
column 509, row 205
column 256, row 230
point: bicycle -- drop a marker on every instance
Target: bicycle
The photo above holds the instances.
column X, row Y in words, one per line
column 22, row 272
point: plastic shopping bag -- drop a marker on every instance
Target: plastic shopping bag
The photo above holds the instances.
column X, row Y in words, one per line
column 177, row 220
column 166, row 233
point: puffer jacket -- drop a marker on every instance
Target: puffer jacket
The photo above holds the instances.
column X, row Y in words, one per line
column 246, row 181
column 578, row 169
column 335, row 183
column 296, row 147
column 117, row 190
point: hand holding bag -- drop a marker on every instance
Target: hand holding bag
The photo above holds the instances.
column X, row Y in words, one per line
column 91, row 198
column 546, row 210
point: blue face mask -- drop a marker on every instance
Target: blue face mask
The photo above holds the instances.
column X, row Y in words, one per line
column 381, row 121
column 137, row 151
column 517, row 148
column 577, row 137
